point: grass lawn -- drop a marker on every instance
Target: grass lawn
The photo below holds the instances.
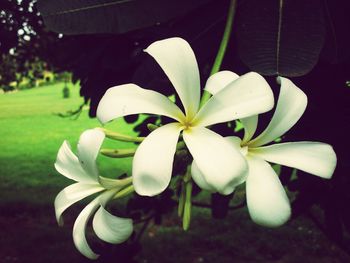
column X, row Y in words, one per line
column 30, row 135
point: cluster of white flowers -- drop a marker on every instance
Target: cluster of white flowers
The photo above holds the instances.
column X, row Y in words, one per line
column 219, row 164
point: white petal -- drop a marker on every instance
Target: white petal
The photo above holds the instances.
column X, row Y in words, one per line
column 249, row 95
column 268, row 204
column 199, row 179
column 235, row 141
column 153, row 160
column 79, row 227
column 312, row 157
column 291, row 105
column 250, row 124
column 222, row 165
column 89, row 145
column 72, row 194
column 110, row 228
column 67, row 164
column 130, row 99
column 219, row 80
column 176, row 58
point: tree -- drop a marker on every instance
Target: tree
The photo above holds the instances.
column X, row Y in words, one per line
column 24, row 42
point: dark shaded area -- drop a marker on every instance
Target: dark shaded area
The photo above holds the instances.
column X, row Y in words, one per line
column 32, row 235
column 110, row 16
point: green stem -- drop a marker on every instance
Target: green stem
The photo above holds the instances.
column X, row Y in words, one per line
column 222, row 49
column 113, row 183
column 122, row 153
column 187, row 206
column 180, row 208
column 121, row 137
column 152, row 127
column 125, row 192
column 185, row 202
column 183, row 196
column 118, row 153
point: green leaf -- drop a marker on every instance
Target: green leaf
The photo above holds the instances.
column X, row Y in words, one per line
column 280, row 37
column 110, row 16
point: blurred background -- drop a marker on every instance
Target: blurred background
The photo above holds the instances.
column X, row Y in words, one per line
column 57, row 58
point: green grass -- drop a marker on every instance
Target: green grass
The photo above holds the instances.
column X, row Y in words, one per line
column 30, row 136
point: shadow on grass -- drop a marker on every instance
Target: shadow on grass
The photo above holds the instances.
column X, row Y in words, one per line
column 30, row 234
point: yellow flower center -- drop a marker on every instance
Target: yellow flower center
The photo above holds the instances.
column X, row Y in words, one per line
column 187, row 125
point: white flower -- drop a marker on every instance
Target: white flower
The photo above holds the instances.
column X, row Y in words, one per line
column 267, row 201
column 222, row 165
column 83, row 170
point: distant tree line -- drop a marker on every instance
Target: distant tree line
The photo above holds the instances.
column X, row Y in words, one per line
column 28, row 51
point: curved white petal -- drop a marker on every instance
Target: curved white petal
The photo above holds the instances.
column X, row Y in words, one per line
column 291, row 105
column 236, row 142
column 153, row 160
column 250, row 124
column 222, row 165
column 219, row 80
column 79, row 229
column 89, row 145
column 110, row 228
column 130, row 99
column 72, row 194
column 199, row 179
column 80, row 223
column 267, row 202
column 68, row 165
column 176, row 58
column 313, row 157
column 249, row 95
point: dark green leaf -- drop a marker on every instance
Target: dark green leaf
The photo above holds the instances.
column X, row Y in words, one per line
column 110, row 16
column 280, row 37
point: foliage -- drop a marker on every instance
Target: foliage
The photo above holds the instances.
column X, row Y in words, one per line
column 27, row 49
column 288, row 34
column 110, row 16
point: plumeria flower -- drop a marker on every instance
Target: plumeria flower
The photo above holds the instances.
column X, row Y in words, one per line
column 267, row 201
column 82, row 169
column 222, row 165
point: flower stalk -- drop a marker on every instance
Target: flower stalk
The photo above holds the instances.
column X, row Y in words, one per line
column 185, row 202
column 180, row 208
column 152, row 127
column 118, row 153
column 125, row 191
column 123, row 153
column 186, row 220
column 121, row 137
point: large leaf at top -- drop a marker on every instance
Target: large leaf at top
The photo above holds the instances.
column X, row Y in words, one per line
column 110, row 16
column 280, row 37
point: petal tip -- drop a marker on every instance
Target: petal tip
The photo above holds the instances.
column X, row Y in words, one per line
column 148, row 186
